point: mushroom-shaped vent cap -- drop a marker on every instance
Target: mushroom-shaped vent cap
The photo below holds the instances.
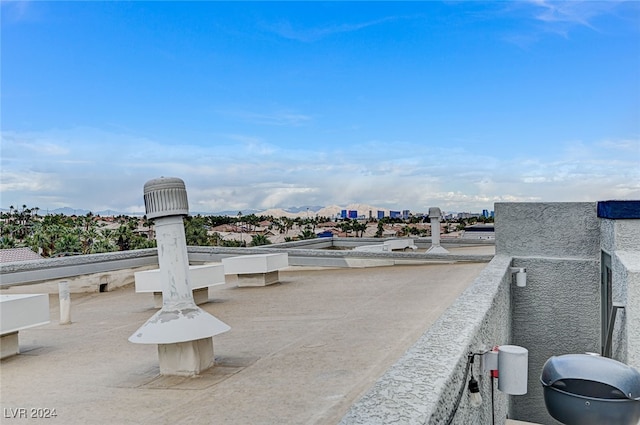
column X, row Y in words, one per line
column 563, row 371
column 165, row 196
column 434, row 212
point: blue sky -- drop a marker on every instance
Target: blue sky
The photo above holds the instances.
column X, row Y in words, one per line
column 401, row 105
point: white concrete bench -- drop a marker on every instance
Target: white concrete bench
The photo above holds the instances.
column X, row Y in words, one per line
column 201, row 278
column 17, row 312
column 387, row 246
column 395, row 244
column 379, row 247
column 256, row 269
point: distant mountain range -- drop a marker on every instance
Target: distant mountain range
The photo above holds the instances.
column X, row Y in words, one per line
column 292, row 212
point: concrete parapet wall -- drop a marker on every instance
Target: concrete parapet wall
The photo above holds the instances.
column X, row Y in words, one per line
column 94, row 269
column 103, row 272
column 317, row 243
column 341, row 242
column 555, row 229
column 92, row 282
column 329, row 258
column 422, row 386
column 558, row 312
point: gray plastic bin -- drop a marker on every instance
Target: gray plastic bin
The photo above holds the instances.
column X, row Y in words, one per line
column 583, row 389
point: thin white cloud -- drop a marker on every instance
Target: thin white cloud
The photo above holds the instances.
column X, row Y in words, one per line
column 275, row 118
column 16, row 10
column 578, row 12
column 562, row 17
column 14, row 144
column 27, row 182
column 627, row 145
column 287, row 30
column 253, row 145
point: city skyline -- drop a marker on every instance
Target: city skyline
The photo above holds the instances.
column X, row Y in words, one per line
column 303, row 211
column 260, row 105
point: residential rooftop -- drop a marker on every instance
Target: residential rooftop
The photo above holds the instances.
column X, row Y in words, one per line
column 358, row 338
column 299, row 352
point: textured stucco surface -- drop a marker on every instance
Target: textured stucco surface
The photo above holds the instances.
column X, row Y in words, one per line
column 559, row 229
column 607, row 235
column 621, row 240
column 620, row 294
column 421, row 388
column 558, row 312
column 630, row 262
column 627, row 235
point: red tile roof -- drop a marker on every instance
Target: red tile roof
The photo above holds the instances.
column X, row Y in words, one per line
column 18, row 254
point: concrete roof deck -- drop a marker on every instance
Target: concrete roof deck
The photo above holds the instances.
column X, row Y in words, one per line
column 299, row 352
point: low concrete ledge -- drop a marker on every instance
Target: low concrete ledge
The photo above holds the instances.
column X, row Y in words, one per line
column 333, row 258
column 104, row 272
column 201, row 277
column 38, row 271
column 17, row 312
column 256, row 269
column 341, row 242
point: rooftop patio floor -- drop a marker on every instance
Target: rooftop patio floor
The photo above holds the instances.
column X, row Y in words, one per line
column 299, row 352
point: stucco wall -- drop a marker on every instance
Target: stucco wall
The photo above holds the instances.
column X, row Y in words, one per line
column 626, row 234
column 421, row 388
column 629, row 275
column 621, row 328
column 558, row 312
column 621, row 240
column 556, row 229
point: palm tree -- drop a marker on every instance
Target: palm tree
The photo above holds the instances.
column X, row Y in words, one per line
column 345, row 226
column 195, row 231
column 253, row 221
column 216, row 239
column 103, row 245
column 258, row 240
column 7, row 242
column 307, row 233
column 124, row 235
column 68, row 243
column 380, row 230
column 288, row 224
column 359, row 227
column 149, row 225
column 233, row 243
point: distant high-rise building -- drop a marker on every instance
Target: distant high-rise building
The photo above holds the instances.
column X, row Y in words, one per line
column 343, row 214
column 485, row 213
column 380, row 214
column 405, row 214
column 395, row 214
column 353, row 213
